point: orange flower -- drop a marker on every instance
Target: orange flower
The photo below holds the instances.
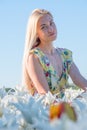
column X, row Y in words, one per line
column 56, row 111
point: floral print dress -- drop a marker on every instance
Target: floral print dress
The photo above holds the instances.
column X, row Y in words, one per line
column 56, row 84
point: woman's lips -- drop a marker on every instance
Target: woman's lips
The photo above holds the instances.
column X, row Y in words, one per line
column 51, row 34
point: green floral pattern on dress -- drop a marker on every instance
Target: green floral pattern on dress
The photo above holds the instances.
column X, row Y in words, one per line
column 56, row 84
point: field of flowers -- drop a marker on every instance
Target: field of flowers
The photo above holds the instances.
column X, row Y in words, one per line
column 21, row 111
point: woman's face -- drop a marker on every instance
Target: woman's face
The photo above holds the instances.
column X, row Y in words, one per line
column 46, row 29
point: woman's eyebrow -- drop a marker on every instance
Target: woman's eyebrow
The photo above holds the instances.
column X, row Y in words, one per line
column 42, row 25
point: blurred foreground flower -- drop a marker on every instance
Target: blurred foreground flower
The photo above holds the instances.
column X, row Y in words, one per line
column 57, row 110
column 21, row 111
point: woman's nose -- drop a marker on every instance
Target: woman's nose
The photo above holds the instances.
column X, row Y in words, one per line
column 50, row 29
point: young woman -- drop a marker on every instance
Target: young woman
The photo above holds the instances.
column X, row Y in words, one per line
column 46, row 68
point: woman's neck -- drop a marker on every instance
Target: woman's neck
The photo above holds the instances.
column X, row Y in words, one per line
column 47, row 48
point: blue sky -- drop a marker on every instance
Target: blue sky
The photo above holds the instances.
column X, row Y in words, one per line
column 71, row 20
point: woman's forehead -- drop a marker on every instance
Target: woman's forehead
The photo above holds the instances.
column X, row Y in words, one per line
column 44, row 19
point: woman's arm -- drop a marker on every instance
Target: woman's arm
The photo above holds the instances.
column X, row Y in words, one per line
column 77, row 78
column 37, row 75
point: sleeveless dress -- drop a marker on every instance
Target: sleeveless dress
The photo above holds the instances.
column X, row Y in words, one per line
column 56, row 84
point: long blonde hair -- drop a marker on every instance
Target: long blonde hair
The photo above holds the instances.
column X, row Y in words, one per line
column 31, row 41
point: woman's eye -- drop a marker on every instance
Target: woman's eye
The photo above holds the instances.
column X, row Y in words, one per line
column 43, row 27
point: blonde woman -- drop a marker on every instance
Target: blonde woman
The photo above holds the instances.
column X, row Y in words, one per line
column 46, row 68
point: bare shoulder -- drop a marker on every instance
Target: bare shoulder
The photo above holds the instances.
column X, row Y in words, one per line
column 32, row 58
column 62, row 49
column 32, row 61
column 66, row 52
